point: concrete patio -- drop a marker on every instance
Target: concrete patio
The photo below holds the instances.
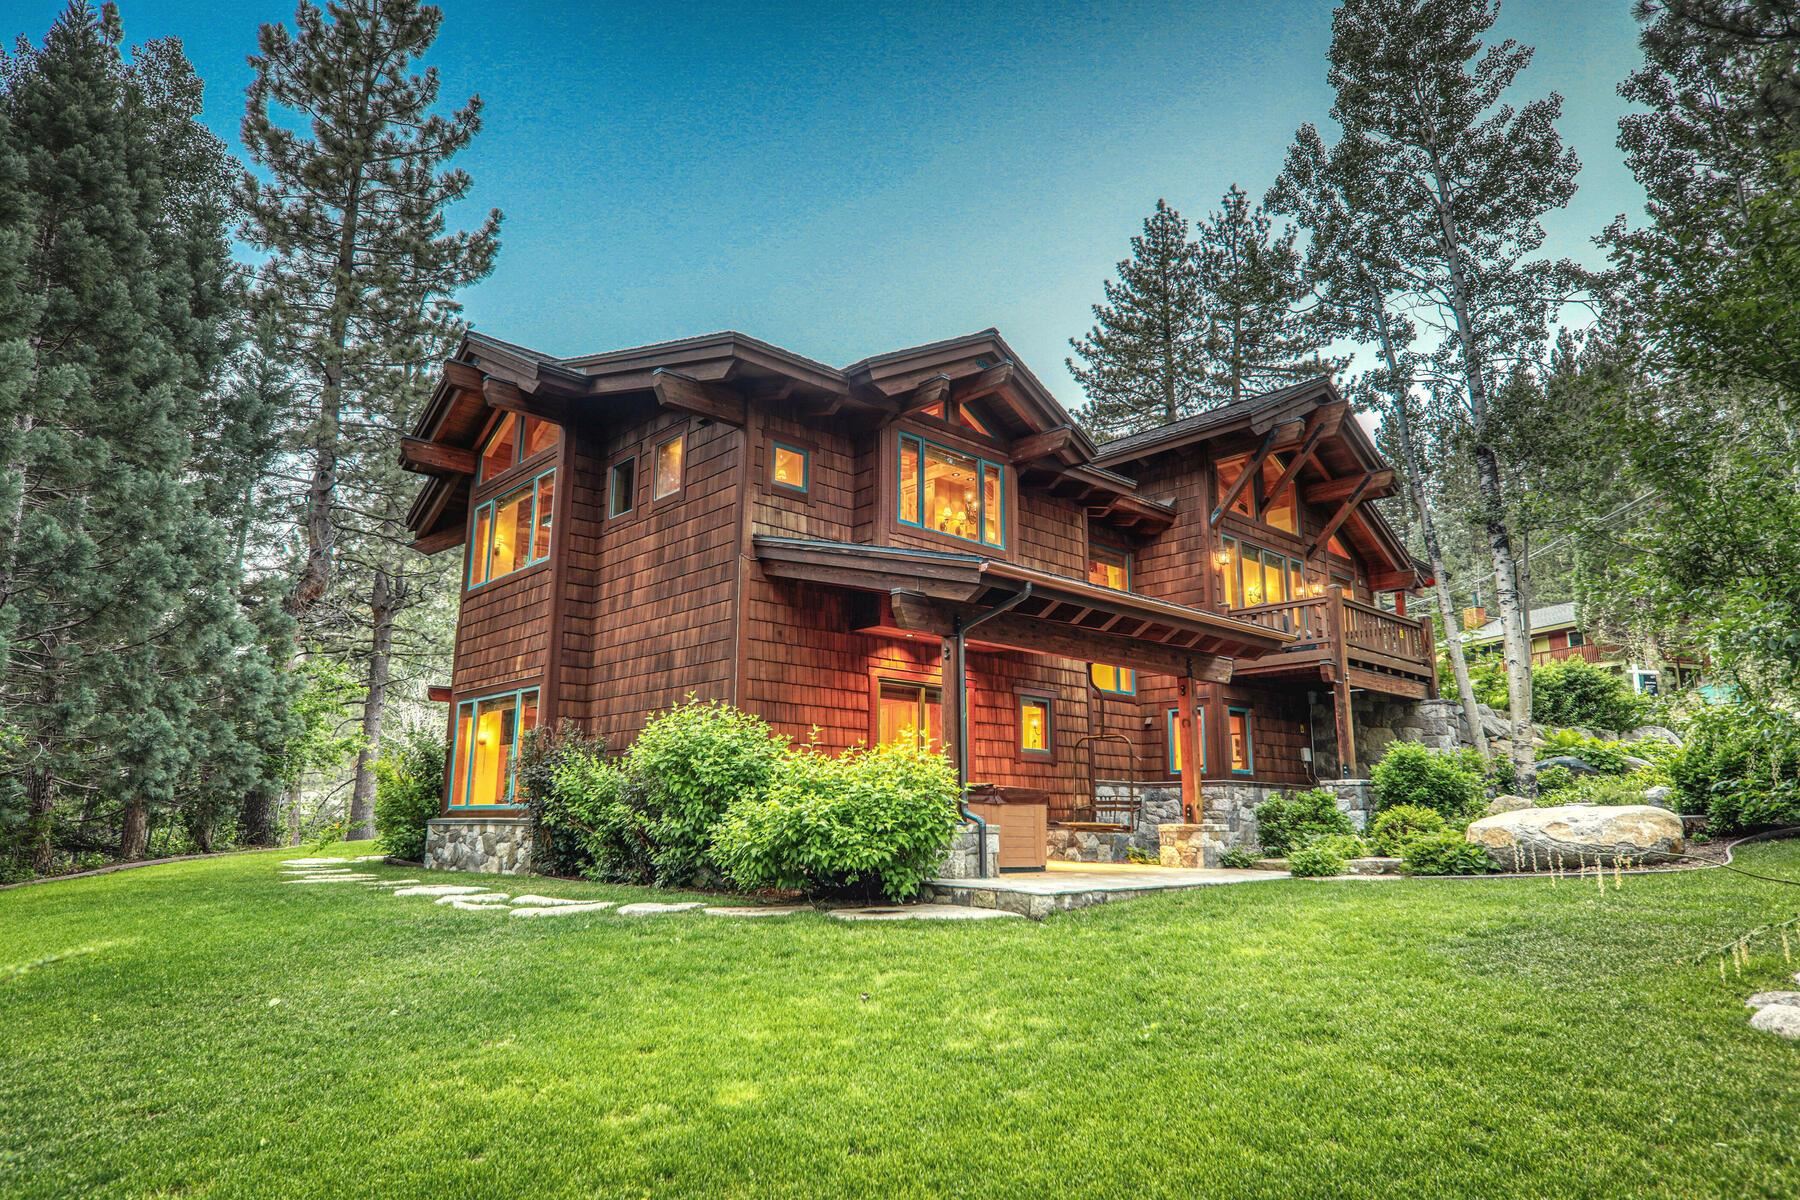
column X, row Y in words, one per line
column 1062, row 886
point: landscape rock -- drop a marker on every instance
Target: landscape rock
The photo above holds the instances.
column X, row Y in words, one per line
column 1782, row 1020
column 1372, row 865
column 439, row 889
column 1575, row 835
column 476, row 905
column 474, row 898
column 331, row 879
column 1764, row 999
column 1575, row 766
column 564, row 910
column 756, row 910
column 532, row 901
column 1659, row 732
column 1506, row 804
column 648, row 909
column 311, row 862
column 1658, row 795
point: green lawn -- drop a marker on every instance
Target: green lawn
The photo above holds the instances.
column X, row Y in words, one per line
column 202, row 1029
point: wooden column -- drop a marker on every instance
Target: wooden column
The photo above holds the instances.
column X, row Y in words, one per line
column 1340, row 688
column 1193, row 805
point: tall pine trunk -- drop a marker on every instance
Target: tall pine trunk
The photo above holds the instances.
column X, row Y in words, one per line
column 362, row 797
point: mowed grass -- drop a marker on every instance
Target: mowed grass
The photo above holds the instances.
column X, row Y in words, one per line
column 204, row 1029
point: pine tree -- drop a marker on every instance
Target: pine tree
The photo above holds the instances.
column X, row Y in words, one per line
column 361, row 276
column 1252, row 285
column 1461, row 180
column 1145, row 356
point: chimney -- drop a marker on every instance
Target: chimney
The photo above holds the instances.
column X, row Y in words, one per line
column 1474, row 618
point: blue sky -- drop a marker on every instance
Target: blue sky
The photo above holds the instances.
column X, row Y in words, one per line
column 848, row 179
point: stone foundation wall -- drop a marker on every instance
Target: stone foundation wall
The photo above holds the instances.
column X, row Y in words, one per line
column 495, row 845
column 964, row 859
column 1380, row 721
column 1231, row 808
column 1090, row 845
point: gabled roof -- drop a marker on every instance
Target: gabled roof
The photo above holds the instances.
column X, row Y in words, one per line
column 1543, row 620
column 1214, row 421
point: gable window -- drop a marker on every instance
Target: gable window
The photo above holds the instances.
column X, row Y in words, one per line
column 908, row 714
column 484, row 769
column 1257, row 500
column 1226, row 473
column 621, row 488
column 1120, row 681
column 790, row 467
column 670, row 456
column 1109, row 567
column 1577, row 638
column 1034, row 726
column 949, row 492
column 515, row 439
column 1243, row 754
column 1334, row 546
column 1174, row 739
column 972, row 421
column 1250, row 575
column 512, row 531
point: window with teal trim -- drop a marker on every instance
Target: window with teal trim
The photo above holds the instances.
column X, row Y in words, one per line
column 1119, row 681
column 485, row 763
column 949, row 492
column 512, row 532
column 1175, row 740
column 1243, row 751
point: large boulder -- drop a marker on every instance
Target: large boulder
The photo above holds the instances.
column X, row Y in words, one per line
column 1573, row 835
column 1507, row 803
column 1659, row 732
column 1576, row 766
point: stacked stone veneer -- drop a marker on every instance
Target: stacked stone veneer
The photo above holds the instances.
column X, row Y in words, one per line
column 1158, row 805
column 1231, row 812
column 964, row 859
column 1379, row 722
column 496, row 845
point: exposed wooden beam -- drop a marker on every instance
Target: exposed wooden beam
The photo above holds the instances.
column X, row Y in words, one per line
column 462, row 375
column 508, row 398
column 1345, row 509
column 1042, row 445
column 1244, row 477
column 1336, row 489
column 932, row 390
column 921, row 614
column 984, row 384
column 1315, row 432
column 1393, row 581
column 434, row 458
column 699, row 398
column 443, row 539
column 438, row 693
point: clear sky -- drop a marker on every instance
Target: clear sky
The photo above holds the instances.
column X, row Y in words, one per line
column 848, row 179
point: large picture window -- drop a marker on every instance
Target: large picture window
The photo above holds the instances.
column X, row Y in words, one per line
column 515, row 439
column 511, row 532
column 485, row 767
column 909, row 714
column 1251, row 576
column 947, row 491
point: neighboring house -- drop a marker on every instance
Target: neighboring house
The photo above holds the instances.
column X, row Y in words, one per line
column 1557, row 633
column 921, row 546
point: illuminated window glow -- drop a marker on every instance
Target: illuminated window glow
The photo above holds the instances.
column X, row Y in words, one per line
column 516, row 439
column 1109, row 568
column 1174, row 739
column 669, row 457
column 1034, row 725
column 949, row 492
column 484, row 769
column 909, row 714
column 1120, row 681
column 1243, row 752
column 790, row 467
column 512, row 531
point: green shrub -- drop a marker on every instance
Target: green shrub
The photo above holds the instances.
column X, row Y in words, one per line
column 1411, row 774
column 1288, row 820
column 867, row 821
column 1487, row 676
column 1741, row 767
column 693, row 762
column 586, row 816
column 1396, row 826
column 1444, row 853
column 1571, row 691
column 1552, row 781
column 409, row 787
column 1350, row 845
column 1317, row 858
column 1606, row 757
column 1600, row 789
column 1238, row 858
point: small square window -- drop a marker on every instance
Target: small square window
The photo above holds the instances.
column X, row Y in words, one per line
column 669, row 456
column 621, row 488
column 1174, row 739
column 1034, row 726
column 790, row 468
column 1243, row 751
column 1120, row 681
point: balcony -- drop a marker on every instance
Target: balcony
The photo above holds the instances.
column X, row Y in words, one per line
column 1342, row 638
column 1586, row 653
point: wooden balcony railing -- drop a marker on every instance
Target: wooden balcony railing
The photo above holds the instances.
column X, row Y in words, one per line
column 1373, row 638
column 1586, row 653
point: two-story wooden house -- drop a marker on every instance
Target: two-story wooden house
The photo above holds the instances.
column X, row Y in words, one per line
column 920, row 545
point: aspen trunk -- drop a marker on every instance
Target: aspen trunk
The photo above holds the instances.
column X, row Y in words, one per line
column 362, row 797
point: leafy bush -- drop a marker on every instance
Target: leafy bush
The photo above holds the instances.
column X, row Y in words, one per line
column 1552, row 781
column 1315, row 859
column 1444, row 853
column 694, row 762
column 587, row 815
column 1487, row 676
column 1411, row 774
column 1606, row 757
column 1350, row 845
column 1288, row 820
column 1238, row 859
column 409, row 784
column 1741, row 767
column 1396, row 826
column 867, row 821
column 1573, row 692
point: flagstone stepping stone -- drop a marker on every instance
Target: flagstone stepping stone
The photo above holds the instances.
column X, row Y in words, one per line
column 1782, row 1020
column 474, row 898
column 1764, row 999
column 565, row 910
column 310, row 862
column 438, row 889
column 530, row 901
column 757, row 910
column 387, row 883
column 923, row 912
column 331, row 879
column 647, row 909
column 370, row 858
column 475, row 905
column 315, row 870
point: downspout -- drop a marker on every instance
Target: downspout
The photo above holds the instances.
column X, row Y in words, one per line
column 960, row 681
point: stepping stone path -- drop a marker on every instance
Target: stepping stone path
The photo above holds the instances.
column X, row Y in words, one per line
column 1764, row 999
column 440, row 889
column 757, row 910
column 476, row 905
column 333, row 879
column 529, row 901
column 1777, row 1012
column 564, row 910
column 648, row 909
column 924, row 912
column 474, row 898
